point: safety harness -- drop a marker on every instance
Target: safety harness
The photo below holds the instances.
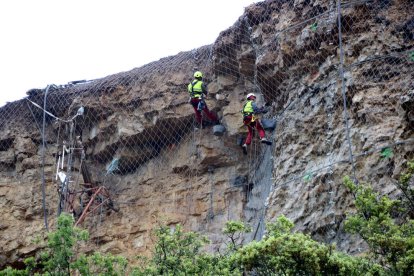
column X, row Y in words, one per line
column 197, row 94
column 246, row 114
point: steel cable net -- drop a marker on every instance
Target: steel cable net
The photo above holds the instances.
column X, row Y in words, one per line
column 333, row 89
column 335, row 85
column 96, row 142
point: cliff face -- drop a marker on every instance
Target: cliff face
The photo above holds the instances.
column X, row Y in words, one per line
column 308, row 70
column 341, row 109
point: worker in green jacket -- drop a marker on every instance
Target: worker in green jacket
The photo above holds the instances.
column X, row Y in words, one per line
column 250, row 109
column 198, row 90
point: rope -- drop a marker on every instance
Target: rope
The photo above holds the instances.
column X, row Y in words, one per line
column 330, row 110
column 200, row 128
column 47, row 112
column 265, row 193
column 257, row 160
column 70, row 161
column 34, row 118
column 343, row 89
column 43, row 160
column 210, row 179
column 252, row 151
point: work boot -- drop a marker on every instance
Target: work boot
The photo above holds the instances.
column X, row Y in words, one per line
column 265, row 141
column 244, row 148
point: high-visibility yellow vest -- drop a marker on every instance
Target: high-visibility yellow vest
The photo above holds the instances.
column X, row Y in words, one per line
column 248, row 108
column 195, row 88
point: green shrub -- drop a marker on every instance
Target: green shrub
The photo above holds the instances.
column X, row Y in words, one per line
column 286, row 253
column 384, row 225
column 179, row 253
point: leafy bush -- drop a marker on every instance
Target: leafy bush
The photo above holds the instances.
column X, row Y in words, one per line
column 60, row 256
column 99, row 264
column 179, row 253
column 385, row 226
column 285, row 253
column 234, row 231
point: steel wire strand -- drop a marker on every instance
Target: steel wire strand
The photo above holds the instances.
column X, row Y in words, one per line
column 343, row 89
column 43, row 160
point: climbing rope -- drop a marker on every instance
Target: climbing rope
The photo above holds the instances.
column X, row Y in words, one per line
column 197, row 136
column 43, row 160
column 343, row 89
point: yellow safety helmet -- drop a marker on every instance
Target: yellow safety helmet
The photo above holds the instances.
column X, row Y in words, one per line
column 198, row 74
column 250, row 95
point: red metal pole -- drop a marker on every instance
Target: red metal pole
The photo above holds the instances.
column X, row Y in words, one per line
column 82, row 217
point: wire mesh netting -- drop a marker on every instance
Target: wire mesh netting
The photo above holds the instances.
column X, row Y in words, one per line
column 335, row 75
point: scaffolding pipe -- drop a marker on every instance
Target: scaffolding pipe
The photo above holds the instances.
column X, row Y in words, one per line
column 57, row 168
column 63, row 156
column 82, row 217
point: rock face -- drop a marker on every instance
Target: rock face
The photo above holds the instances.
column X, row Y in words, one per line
column 341, row 109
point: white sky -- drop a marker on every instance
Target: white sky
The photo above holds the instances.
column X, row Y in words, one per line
column 56, row 41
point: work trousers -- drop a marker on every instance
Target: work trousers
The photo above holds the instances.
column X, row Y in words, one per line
column 247, row 121
column 210, row 115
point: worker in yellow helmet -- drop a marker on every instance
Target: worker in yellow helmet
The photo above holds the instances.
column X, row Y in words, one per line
column 198, row 89
column 249, row 110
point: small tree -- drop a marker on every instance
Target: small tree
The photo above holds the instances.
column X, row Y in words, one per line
column 99, row 264
column 60, row 252
column 180, row 253
column 234, row 230
column 60, row 257
column 379, row 222
column 406, row 185
column 174, row 252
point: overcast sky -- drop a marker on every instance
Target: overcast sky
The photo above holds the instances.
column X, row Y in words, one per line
column 56, row 41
